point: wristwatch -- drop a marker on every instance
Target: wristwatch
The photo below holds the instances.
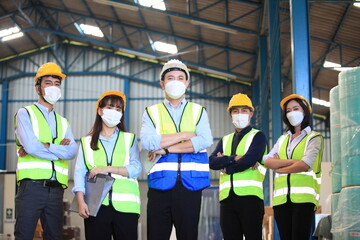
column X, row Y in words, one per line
column 166, row 151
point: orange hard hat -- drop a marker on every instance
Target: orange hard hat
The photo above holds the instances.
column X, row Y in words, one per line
column 240, row 99
column 109, row 93
column 49, row 68
column 293, row 96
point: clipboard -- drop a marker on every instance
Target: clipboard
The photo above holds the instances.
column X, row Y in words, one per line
column 96, row 189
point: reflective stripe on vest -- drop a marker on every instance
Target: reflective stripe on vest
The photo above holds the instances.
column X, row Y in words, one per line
column 124, row 195
column 304, row 186
column 192, row 167
column 36, row 168
column 245, row 183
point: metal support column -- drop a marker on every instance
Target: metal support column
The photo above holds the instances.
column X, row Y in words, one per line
column 4, row 125
column 127, row 94
column 264, row 105
column 275, row 67
column 301, row 62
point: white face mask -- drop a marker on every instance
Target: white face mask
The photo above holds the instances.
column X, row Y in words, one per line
column 240, row 120
column 52, row 94
column 295, row 117
column 175, row 89
column 111, row 117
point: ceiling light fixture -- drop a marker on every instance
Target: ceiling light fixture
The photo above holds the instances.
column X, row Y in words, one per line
column 157, row 4
column 165, row 47
column 117, row 4
column 320, row 102
column 335, row 66
column 12, row 36
column 356, row 4
column 214, row 27
column 91, row 30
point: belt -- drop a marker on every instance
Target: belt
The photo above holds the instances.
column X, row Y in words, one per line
column 44, row 183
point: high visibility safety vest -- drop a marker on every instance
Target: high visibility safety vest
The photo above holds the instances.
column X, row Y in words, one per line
column 192, row 168
column 124, row 194
column 302, row 187
column 245, row 183
column 35, row 168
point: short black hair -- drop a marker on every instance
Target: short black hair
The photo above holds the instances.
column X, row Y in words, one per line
column 38, row 82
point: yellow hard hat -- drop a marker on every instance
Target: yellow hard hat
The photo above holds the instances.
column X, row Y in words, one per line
column 108, row 93
column 240, row 99
column 293, row 96
column 174, row 65
column 49, row 68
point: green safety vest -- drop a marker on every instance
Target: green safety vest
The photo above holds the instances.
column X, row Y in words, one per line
column 245, row 183
column 302, row 187
column 35, row 168
column 124, row 194
column 164, row 124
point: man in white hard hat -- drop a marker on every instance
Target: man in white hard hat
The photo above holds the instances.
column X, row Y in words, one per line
column 45, row 143
column 179, row 132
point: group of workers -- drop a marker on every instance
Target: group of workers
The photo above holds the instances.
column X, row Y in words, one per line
column 176, row 133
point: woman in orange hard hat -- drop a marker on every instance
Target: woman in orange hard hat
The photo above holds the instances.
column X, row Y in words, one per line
column 296, row 158
column 109, row 150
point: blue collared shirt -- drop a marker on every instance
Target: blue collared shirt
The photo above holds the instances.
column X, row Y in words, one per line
column 134, row 167
column 26, row 136
column 151, row 140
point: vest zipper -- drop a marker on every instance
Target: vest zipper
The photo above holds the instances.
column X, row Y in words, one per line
column 179, row 168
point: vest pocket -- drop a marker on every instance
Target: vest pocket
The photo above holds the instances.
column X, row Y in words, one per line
column 199, row 174
column 156, row 175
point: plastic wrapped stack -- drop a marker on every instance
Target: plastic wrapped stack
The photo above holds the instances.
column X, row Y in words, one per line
column 335, row 136
column 345, row 144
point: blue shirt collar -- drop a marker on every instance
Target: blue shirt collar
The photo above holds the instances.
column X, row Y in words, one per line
column 43, row 108
column 168, row 103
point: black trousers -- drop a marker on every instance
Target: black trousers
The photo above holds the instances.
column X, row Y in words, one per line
column 109, row 222
column 34, row 201
column 294, row 220
column 241, row 216
column 178, row 206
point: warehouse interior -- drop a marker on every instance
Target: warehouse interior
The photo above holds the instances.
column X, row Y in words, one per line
column 266, row 49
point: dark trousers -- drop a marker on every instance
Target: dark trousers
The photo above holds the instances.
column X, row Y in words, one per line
column 178, row 206
column 294, row 220
column 34, row 201
column 109, row 222
column 241, row 216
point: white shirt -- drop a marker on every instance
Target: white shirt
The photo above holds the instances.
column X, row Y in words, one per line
column 311, row 151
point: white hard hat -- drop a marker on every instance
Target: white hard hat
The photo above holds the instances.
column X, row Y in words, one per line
column 174, row 65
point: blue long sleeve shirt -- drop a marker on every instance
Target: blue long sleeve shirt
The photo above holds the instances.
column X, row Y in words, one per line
column 252, row 156
column 26, row 136
column 151, row 140
column 133, row 168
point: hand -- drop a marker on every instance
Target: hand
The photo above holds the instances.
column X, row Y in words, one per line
column 46, row 145
column 188, row 135
column 276, row 156
column 237, row 158
column 151, row 156
column 96, row 170
column 255, row 166
column 220, row 154
column 83, row 210
column 22, row 152
column 65, row 141
column 223, row 170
